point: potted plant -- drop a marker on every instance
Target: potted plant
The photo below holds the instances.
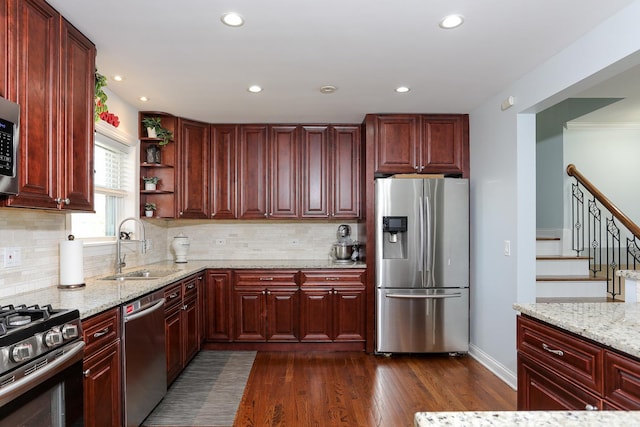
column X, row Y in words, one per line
column 101, row 97
column 155, row 130
column 150, row 182
column 149, row 208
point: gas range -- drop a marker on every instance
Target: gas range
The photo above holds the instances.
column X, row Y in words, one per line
column 29, row 332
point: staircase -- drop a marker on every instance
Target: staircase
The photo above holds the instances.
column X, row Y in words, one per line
column 560, row 277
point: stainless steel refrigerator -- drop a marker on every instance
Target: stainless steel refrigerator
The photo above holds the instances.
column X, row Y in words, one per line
column 422, row 265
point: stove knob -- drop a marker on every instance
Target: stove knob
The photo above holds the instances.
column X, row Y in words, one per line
column 22, row 352
column 69, row 331
column 53, row 338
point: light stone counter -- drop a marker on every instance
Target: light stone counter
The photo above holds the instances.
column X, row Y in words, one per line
column 616, row 325
column 100, row 295
column 528, row 419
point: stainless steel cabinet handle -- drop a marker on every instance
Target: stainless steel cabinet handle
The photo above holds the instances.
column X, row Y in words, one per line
column 590, row 408
column 173, row 295
column 185, row 307
column 191, row 285
column 332, row 278
column 100, row 333
column 266, row 279
column 551, row 350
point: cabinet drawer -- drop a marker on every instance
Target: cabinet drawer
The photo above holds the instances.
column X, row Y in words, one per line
column 579, row 361
column 266, row 277
column 329, row 277
column 100, row 330
column 191, row 287
column 541, row 389
column 622, row 380
column 172, row 295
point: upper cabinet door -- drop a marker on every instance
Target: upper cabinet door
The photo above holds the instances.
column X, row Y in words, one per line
column 78, row 92
column 396, row 144
column 345, row 172
column 315, row 172
column 253, row 172
column 284, row 167
column 443, row 137
column 193, row 166
column 34, row 79
column 224, row 142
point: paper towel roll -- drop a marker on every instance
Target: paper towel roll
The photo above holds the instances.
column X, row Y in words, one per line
column 71, row 263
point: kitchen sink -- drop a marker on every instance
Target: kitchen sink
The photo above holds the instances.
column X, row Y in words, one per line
column 140, row 275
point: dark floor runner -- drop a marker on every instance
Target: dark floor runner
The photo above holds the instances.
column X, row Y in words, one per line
column 207, row 393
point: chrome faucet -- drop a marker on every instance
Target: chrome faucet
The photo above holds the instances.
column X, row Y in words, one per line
column 120, row 258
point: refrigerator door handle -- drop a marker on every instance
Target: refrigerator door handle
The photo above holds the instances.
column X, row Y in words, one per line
column 421, row 242
column 410, row 296
column 430, row 280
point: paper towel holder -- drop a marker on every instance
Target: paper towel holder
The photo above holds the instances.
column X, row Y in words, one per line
column 71, row 237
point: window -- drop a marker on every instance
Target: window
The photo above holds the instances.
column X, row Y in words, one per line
column 114, row 198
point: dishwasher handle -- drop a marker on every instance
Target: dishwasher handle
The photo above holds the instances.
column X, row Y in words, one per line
column 145, row 311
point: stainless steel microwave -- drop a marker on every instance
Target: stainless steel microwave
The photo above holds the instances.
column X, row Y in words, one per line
column 9, row 143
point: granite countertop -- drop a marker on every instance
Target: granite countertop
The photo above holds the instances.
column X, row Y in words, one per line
column 629, row 274
column 100, row 295
column 527, row 418
column 615, row 325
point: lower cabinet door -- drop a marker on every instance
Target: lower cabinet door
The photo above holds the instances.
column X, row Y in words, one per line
column 541, row 389
column 250, row 312
column 191, row 334
column 282, row 315
column 102, row 388
column 173, row 334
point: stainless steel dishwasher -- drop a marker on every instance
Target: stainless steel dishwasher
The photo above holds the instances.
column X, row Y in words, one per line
column 144, row 357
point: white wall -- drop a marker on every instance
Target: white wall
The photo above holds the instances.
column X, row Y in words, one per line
column 502, row 145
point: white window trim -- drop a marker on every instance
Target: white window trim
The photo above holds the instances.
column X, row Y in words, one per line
column 124, row 138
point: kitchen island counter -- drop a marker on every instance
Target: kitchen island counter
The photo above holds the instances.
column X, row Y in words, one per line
column 99, row 295
column 527, row 418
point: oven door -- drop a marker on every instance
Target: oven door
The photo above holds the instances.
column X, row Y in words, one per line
column 50, row 394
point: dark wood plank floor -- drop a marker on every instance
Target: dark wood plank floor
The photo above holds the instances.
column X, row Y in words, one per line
column 358, row 389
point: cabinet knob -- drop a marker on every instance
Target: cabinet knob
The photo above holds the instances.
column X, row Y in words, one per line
column 181, row 213
column 60, row 201
column 213, row 214
column 86, row 373
column 417, row 168
column 590, row 408
column 421, row 168
column 266, row 215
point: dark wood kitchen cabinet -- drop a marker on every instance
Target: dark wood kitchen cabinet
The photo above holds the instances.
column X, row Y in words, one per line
column 182, row 324
column 558, row 370
column 102, row 370
column 414, row 143
column 268, row 172
column 193, row 169
column 217, row 297
column 266, row 304
column 51, row 69
column 330, row 172
column 332, row 306
column 163, row 165
column 223, row 183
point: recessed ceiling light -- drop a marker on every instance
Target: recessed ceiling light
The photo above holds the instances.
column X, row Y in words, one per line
column 254, row 89
column 328, row 89
column 118, row 78
column 143, row 99
column 402, row 89
column 232, row 19
column 451, row 21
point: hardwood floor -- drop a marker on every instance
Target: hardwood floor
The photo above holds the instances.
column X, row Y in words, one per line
column 357, row 389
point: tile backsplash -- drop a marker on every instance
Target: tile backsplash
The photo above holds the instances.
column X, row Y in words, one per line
column 37, row 235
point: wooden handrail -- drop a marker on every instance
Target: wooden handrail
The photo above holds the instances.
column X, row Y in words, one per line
column 631, row 226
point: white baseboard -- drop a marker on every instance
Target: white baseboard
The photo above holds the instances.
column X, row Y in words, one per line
column 510, row 378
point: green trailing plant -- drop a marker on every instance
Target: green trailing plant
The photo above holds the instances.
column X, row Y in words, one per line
column 162, row 133
column 100, row 96
column 149, row 206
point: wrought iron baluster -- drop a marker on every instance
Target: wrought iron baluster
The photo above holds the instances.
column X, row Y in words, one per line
column 613, row 257
column 577, row 217
column 595, row 237
column 633, row 251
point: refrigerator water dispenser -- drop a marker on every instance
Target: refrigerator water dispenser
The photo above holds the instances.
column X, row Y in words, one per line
column 394, row 242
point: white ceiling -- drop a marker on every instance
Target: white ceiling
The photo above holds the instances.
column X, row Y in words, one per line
column 179, row 54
